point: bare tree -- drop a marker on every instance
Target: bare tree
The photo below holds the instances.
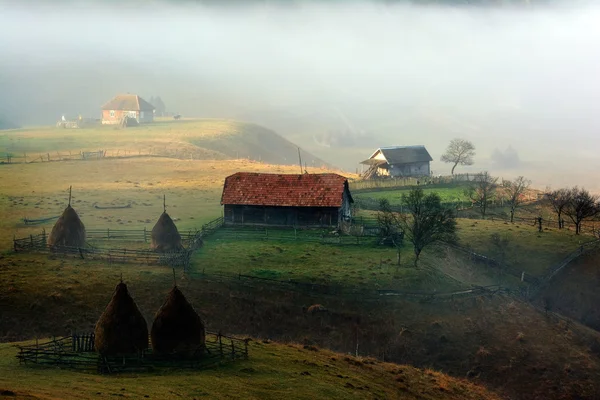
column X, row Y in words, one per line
column 559, row 199
column 482, row 190
column 459, row 151
column 582, row 205
column 515, row 190
column 426, row 220
column 389, row 227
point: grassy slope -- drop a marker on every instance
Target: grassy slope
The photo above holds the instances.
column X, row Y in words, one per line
column 503, row 343
column 574, row 291
column 274, row 371
column 193, row 190
column 200, row 139
column 448, row 193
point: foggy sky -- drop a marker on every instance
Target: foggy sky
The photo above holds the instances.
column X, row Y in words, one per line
column 374, row 73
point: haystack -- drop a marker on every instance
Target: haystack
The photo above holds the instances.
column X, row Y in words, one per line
column 165, row 236
column 177, row 328
column 68, row 230
column 121, row 328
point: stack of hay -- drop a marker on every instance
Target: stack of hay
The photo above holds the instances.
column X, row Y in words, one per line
column 121, row 328
column 165, row 236
column 177, row 328
column 68, row 231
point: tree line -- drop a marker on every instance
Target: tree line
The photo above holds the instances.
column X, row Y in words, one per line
column 426, row 220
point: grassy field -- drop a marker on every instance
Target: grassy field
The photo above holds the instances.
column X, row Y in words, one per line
column 43, row 296
column 193, row 191
column 367, row 266
column 273, row 371
column 451, row 193
column 186, row 139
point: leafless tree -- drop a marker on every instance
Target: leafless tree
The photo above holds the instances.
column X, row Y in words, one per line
column 515, row 190
column 459, row 151
column 482, row 190
column 426, row 221
column 559, row 199
column 582, row 205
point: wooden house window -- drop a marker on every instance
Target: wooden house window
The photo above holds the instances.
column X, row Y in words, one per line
column 112, row 113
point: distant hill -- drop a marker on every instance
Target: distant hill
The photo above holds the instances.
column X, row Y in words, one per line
column 200, row 139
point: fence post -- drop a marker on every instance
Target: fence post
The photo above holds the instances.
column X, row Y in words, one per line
column 31, row 239
column 44, row 237
column 145, row 239
column 108, row 233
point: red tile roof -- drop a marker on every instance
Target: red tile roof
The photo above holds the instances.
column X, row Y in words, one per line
column 306, row 190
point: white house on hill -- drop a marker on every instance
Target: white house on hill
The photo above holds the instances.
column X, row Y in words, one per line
column 399, row 161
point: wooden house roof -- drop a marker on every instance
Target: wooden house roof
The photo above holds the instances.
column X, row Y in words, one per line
column 400, row 155
column 128, row 102
column 285, row 190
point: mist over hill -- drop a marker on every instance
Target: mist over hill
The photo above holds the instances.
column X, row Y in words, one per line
column 339, row 79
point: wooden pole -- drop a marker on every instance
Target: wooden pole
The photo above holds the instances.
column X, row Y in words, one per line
column 300, row 159
column 70, row 187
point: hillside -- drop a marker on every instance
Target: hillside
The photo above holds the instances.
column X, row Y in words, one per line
column 273, row 371
column 500, row 342
column 574, row 291
column 206, row 139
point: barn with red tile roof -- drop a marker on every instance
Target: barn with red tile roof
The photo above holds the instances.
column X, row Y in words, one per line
column 286, row 199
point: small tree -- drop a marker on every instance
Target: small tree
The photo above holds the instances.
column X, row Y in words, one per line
column 515, row 191
column 482, row 190
column 459, row 151
column 389, row 227
column 559, row 199
column 426, row 221
column 582, row 205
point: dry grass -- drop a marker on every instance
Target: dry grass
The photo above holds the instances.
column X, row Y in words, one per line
column 274, row 371
column 193, row 190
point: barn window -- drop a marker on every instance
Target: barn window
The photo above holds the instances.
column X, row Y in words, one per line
column 112, row 113
column 141, row 115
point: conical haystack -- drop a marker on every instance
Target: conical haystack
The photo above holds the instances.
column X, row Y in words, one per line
column 68, row 230
column 121, row 328
column 177, row 328
column 165, row 236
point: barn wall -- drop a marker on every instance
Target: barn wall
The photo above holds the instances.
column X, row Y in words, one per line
column 108, row 120
column 148, row 116
column 145, row 116
column 281, row 216
column 413, row 169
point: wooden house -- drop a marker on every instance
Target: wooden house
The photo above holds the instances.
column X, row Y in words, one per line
column 399, row 161
column 127, row 105
column 305, row 200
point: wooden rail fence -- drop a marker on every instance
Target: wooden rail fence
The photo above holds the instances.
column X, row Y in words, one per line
column 78, row 352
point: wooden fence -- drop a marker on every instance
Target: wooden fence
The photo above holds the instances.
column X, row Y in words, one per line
column 78, row 352
column 350, row 292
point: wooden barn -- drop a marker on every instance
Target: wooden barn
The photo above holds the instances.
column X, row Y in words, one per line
column 127, row 105
column 304, row 200
column 398, row 161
